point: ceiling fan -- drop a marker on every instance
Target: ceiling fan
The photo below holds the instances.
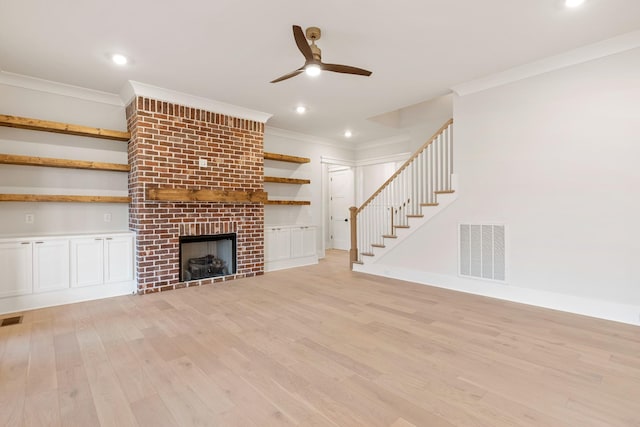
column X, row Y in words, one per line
column 313, row 64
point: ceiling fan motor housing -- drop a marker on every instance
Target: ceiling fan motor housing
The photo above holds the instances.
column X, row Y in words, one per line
column 313, row 33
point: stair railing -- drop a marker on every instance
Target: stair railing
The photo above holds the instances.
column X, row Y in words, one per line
column 414, row 185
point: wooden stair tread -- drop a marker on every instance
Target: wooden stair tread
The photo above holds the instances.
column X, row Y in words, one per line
column 367, row 254
column 377, row 245
column 401, row 226
column 390, row 236
column 429, row 204
column 444, row 192
column 415, row 216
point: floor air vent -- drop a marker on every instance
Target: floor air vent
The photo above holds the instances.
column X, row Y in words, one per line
column 482, row 251
column 11, row 321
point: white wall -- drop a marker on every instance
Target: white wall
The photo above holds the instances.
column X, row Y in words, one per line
column 49, row 101
column 555, row 158
column 284, row 142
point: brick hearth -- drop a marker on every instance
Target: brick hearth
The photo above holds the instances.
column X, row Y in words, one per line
column 167, row 143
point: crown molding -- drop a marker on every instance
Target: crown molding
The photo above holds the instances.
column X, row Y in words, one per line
column 48, row 86
column 283, row 133
column 587, row 53
column 133, row 89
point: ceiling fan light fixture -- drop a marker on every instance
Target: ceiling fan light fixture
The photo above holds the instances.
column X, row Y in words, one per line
column 119, row 59
column 312, row 70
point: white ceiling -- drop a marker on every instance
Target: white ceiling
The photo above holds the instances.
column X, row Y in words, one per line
column 229, row 50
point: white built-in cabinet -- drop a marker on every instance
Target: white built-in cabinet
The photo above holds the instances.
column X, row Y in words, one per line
column 288, row 246
column 101, row 259
column 16, row 267
column 42, row 271
column 50, row 265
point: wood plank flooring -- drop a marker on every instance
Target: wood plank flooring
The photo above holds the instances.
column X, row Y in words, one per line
column 316, row 346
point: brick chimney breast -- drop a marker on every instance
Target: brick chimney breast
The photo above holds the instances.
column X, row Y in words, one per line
column 169, row 142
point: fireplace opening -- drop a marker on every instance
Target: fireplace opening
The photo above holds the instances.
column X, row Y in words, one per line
column 202, row 257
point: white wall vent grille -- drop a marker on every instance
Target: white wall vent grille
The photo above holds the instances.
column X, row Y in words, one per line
column 482, row 251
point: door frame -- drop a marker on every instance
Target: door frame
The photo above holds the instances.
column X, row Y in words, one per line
column 326, row 163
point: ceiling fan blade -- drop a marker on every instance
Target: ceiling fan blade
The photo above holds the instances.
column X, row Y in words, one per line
column 301, row 41
column 288, row 76
column 345, row 69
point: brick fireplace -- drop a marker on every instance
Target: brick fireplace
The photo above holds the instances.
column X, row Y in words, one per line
column 193, row 172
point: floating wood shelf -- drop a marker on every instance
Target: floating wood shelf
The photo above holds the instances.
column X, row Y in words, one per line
column 286, row 180
column 57, row 127
column 10, row 159
column 62, row 198
column 168, row 194
column 286, row 158
column 287, row 202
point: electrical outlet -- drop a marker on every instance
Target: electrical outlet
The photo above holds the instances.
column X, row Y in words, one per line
column 29, row 218
column 203, row 163
column 107, row 217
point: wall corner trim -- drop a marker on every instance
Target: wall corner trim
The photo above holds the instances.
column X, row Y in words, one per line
column 132, row 89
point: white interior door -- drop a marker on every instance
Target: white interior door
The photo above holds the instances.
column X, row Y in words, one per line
column 340, row 200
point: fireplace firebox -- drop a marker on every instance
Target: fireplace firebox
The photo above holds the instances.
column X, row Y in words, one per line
column 207, row 256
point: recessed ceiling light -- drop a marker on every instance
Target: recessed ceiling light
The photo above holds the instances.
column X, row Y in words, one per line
column 312, row 70
column 347, row 133
column 301, row 109
column 573, row 3
column 119, row 59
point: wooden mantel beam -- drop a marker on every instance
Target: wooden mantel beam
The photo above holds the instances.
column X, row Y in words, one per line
column 66, row 128
column 169, row 194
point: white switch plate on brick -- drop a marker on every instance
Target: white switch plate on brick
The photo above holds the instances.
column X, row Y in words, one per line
column 107, row 217
column 203, row 163
column 29, row 218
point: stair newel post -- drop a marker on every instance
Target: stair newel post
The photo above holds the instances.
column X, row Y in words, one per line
column 353, row 253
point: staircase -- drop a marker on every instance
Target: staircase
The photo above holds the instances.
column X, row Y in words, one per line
column 421, row 188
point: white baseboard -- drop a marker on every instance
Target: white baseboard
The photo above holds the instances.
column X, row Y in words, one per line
column 608, row 310
column 290, row 263
column 67, row 296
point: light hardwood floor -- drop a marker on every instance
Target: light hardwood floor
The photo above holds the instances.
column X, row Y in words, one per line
column 316, row 346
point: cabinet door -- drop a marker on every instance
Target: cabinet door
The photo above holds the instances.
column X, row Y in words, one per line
column 309, row 241
column 86, row 262
column 50, row 265
column 303, row 241
column 118, row 259
column 277, row 244
column 297, row 242
column 16, row 267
